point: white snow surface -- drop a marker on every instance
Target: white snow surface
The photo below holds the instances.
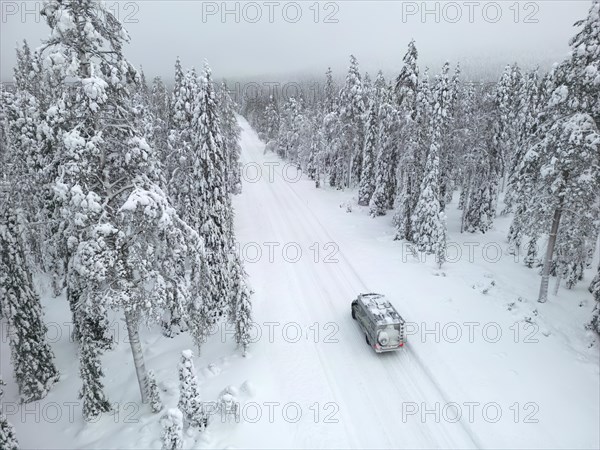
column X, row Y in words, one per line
column 312, row 368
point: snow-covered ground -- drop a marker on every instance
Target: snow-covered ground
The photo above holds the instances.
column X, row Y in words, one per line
column 520, row 374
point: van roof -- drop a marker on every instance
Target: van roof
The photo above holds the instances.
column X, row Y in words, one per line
column 383, row 311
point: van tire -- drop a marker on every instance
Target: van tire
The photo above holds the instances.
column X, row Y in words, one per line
column 353, row 313
column 367, row 339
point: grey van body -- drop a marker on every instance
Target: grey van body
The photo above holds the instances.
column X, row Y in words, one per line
column 383, row 326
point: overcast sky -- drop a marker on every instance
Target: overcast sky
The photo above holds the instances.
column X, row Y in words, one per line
column 280, row 38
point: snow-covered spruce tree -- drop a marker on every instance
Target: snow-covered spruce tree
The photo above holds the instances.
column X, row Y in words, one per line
column 31, row 124
column 330, row 100
column 469, row 124
column 595, row 291
column 316, row 148
column 568, row 156
column 172, row 432
column 272, row 119
column 415, row 140
column 480, row 164
column 367, row 87
column 214, row 212
column 407, row 82
column 524, row 178
column 183, row 168
column 379, row 91
column 531, row 257
column 8, row 438
column 31, row 356
column 429, row 223
column 449, row 145
column 128, row 249
column 577, row 235
column 506, row 110
column 189, row 392
column 385, row 168
column 348, row 164
column 367, row 179
column 526, row 117
column 160, row 112
column 332, row 147
column 519, row 181
column 177, row 91
column 231, row 136
column 290, row 128
column 428, row 220
column 95, row 402
column 153, row 393
column 181, row 182
column 306, row 139
column 240, row 307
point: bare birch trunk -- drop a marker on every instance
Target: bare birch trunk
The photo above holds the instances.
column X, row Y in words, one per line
column 543, row 297
column 138, row 355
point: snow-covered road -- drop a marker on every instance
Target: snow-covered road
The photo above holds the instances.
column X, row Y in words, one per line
column 308, row 292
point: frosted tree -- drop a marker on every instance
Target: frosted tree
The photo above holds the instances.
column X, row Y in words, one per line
column 184, row 101
column 407, row 82
column 518, row 190
column 379, row 91
column 367, row 179
column 290, row 128
column 272, row 119
column 316, row 148
column 189, row 392
column 506, row 110
column 8, row 438
column 32, row 357
column 428, row 222
column 32, row 125
column 367, row 88
column 479, row 162
column 330, row 93
column 214, row 215
column 531, row 257
column 159, row 105
column 448, row 157
column 526, row 117
column 95, row 401
column 429, row 226
column 231, row 135
column 172, row 429
column 348, row 163
column 153, row 393
column 240, row 307
column 385, row 168
column 182, row 158
column 332, row 143
column 415, row 114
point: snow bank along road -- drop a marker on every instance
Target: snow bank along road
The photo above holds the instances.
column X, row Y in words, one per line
column 305, row 285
